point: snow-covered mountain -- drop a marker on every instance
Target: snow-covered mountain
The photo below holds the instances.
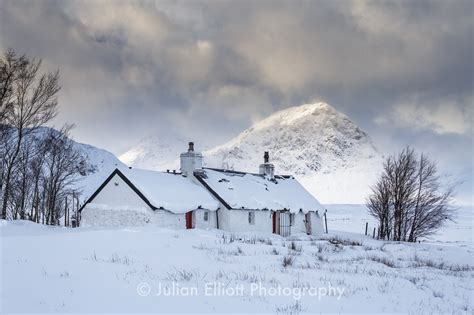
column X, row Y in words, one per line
column 322, row 147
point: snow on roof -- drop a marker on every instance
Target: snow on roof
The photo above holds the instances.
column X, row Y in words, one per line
column 170, row 191
column 253, row 191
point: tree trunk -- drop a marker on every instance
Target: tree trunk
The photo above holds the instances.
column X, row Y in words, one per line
column 6, row 193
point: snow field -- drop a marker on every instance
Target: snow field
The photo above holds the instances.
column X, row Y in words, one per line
column 51, row 269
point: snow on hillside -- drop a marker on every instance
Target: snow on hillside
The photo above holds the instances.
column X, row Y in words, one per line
column 156, row 153
column 101, row 164
column 51, row 269
column 322, row 147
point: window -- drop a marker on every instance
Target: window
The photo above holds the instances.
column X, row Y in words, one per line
column 251, row 217
column 206, row 215
column 292, row 219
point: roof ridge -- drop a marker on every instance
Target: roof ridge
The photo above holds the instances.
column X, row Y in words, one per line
column 242, row 172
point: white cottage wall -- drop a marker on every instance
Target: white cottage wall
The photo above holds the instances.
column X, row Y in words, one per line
column 98, row 216
column 238, row 221
column 119, row 216
column 299, row 224
column 317, row 224
column 164, row 218
column 118, row 193
column 95, row 215
column 199, row 221
column 224, row 217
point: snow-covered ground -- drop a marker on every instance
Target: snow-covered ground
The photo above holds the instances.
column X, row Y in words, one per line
column 54, row 269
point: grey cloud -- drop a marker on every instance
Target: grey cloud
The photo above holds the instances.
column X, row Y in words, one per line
column 289, row 52
column 441, row 117
column 191, row 68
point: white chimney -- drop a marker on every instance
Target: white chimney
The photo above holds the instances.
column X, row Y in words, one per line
column 267, row 168
column 190, row 161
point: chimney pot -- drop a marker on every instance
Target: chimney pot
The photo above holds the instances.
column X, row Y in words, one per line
column 267, row 169
column 190, row 161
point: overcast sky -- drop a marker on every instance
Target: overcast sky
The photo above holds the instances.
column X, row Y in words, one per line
column 402, row 70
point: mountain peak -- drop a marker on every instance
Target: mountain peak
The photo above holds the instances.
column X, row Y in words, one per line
column 315, row 142
column 294, row 114
column 310, row 109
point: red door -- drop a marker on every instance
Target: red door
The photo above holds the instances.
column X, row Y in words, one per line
column 189, row 220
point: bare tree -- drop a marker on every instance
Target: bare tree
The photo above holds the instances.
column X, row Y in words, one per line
column 402, row 187
column 432, row 207
column 28, row 100
column 379, row 204
column 36, row 172
column 10, row 66
column 62, row 165
column 22, row 188
column 408, row 200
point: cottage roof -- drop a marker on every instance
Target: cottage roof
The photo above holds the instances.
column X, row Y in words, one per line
column 239, row 190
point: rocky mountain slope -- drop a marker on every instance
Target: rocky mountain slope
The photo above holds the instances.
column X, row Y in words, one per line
column 322, row 147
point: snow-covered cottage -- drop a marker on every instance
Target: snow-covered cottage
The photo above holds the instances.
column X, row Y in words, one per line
column 142, row 197
column 200, row 197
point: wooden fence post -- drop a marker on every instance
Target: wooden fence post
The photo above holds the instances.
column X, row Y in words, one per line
column 373, row 236
column 366, row 227
column 326, row 221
